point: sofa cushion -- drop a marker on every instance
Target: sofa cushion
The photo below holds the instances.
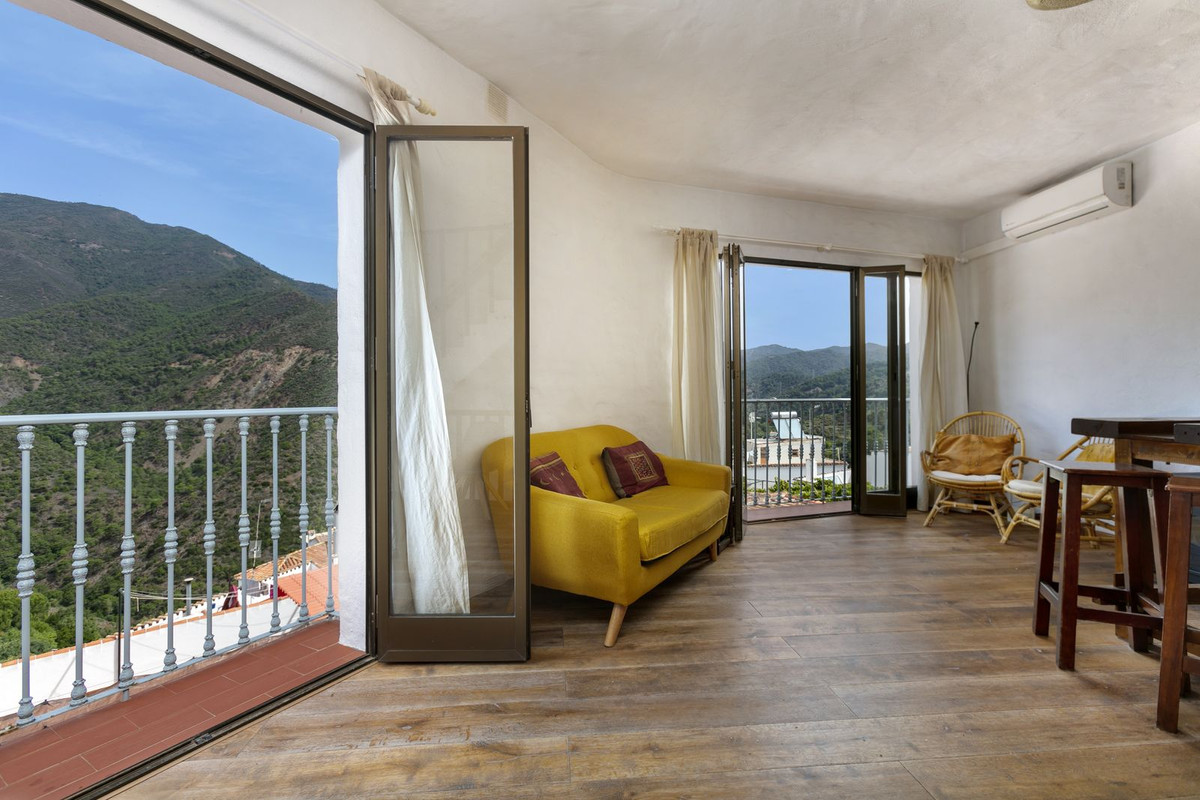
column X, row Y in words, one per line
column 633, row 468
column 671, row 516
column 580, row 449
column 550, row 473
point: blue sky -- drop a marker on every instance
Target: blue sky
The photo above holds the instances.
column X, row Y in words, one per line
column 803, row 308
column 85, row 120
column 807, row 309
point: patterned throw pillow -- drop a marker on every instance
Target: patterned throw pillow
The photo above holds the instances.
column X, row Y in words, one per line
column 551, row 473
column 633, row 468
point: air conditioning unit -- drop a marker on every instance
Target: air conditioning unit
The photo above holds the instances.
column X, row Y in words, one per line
column 1096, row 193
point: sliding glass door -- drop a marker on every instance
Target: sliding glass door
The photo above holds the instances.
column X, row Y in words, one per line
column 817, row 415
column 452, row 449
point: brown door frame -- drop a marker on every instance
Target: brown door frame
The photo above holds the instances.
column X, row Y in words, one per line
column 432, row 638
column 880, row 503
column 860, row 503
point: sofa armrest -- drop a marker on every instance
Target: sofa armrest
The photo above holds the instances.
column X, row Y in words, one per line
column 697, row 474
column 581, row 545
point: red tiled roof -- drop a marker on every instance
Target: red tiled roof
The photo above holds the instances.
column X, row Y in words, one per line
column 318, row 588
column 289, row 561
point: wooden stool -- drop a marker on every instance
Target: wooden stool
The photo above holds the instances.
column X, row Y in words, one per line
column 1141, row 551
column 1176, row 661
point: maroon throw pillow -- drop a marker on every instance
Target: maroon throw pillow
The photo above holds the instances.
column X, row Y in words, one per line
column 549, row 472
column 633, row 468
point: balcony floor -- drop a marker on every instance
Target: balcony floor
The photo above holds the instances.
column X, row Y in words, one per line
column 73, row 751
column 836, row 657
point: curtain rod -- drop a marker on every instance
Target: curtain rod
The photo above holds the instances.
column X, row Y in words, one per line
column 823, row 247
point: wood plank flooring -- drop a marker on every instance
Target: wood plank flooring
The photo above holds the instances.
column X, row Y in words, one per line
column 840, row 657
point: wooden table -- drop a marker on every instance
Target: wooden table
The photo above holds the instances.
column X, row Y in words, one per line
column 1142, row 440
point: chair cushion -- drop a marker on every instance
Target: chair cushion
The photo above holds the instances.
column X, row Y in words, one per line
column 971, row 454
column 671, row 516
column 550, row 472
column 1023, row 487
column 958, row 477
column 1031, row 490
column 633, row 468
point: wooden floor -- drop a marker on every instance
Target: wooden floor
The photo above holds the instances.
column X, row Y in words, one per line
column 831, row 658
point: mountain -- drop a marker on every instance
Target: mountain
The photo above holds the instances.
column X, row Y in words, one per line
column 101, row 311
column 775, row 371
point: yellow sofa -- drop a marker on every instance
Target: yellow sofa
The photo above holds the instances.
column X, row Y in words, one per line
column 598, row 545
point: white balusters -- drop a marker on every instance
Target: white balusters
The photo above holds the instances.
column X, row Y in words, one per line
column 25, row 575
column 79, row 565
column 170, row 544
column 180, row 508
column 244, row 534
column 128, row 555
column 210, row 537
column 275, row 524
column 329, row 509
column 303, row 517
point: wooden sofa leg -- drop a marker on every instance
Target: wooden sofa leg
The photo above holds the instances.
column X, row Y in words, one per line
column 614, row 624
column 712, row 552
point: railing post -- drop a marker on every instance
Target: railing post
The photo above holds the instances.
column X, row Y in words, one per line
column 275, row 524
column 25, row 575
column 210, row 537
column 79, row 565
column 329, row 510
column 244, row 534
column 303, row 517
column 128, row 557
column 170, row 544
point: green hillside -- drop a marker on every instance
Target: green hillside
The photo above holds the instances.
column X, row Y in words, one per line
column 774, row 371
column 100, row 311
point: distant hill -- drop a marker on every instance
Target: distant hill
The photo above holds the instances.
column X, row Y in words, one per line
column 775, row 371
column 101, row 311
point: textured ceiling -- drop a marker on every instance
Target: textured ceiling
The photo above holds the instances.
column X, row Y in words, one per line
column 939, row 107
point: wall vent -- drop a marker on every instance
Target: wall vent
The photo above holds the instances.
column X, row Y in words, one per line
column 497, row 103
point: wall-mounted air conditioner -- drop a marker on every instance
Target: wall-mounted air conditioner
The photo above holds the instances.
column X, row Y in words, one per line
column 1096, row 193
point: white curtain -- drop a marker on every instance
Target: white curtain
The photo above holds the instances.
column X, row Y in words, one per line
column 428, row 554
column 943, row 376
column 697, row 354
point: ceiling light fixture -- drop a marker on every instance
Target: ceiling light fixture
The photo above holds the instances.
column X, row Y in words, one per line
column 1054, row 5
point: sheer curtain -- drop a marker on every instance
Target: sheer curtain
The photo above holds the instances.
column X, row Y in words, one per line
column 696, row 354
column 943, row 370
column 428, row 554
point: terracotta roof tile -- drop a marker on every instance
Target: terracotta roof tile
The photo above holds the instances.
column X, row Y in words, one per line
column 318, row 583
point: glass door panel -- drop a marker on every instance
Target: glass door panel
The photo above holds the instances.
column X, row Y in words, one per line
column 880, row 391
column 452, row 525
column 734, row 274
column 796, row 409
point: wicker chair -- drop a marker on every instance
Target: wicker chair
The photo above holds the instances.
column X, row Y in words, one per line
column 1098, row 513
column 974, row 492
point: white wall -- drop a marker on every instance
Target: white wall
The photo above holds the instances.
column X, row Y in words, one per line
column 1100, row 319
column 600, row 276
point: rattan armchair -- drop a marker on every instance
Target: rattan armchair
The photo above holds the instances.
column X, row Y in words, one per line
column 1098, row 514
column 973, row 492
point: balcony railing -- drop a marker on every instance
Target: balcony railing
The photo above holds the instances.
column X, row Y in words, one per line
column 152, row 438
column 798, row 451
